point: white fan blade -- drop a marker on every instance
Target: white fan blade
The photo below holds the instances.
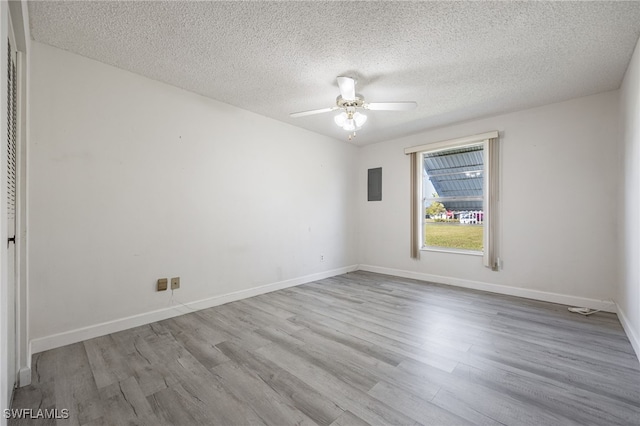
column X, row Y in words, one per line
column 347, row 87
column 312, row 112
column 390, row 106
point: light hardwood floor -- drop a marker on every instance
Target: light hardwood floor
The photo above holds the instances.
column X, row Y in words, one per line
column 350, row 350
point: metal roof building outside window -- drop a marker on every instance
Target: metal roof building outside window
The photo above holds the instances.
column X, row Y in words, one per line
column 456, row 175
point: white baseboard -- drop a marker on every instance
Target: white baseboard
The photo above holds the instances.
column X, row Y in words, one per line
column 632, row 334
column 563, row 299
column 97, row 330
column 73, row 336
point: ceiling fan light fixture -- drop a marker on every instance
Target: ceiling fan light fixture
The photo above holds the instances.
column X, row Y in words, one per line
column 349, row 120
column 360, row 119
column 349, row 125
column 341, row 118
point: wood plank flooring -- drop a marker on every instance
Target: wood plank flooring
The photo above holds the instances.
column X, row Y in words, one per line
column 356, row 349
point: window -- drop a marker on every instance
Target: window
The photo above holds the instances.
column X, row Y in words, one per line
column 455, row 196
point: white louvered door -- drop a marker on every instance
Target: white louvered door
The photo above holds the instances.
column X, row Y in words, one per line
column 11, row 142
column 11, row 182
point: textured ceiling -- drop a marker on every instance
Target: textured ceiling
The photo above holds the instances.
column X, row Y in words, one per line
column 458, row 60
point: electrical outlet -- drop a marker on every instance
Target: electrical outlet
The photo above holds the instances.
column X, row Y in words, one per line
column 162, row 284
column 175, row 283
column 322, row 258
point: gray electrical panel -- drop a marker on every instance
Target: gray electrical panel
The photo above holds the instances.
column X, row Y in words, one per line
column 374, row 185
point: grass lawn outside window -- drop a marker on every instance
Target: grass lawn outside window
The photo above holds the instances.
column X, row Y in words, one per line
column 453, row 236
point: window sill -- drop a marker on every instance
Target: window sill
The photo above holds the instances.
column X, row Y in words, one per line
column 453, row 251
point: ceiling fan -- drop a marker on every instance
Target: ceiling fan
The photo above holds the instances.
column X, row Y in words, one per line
column 350, row 119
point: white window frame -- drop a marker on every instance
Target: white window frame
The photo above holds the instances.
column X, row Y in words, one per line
column 490, row 195
column 421, row 231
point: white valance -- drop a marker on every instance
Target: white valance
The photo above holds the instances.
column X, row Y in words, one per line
column 444, row 144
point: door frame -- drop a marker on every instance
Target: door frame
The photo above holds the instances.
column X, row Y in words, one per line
column 14, row 19
column 20, row 21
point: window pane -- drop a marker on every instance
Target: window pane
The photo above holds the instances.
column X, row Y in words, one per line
column 453, row 189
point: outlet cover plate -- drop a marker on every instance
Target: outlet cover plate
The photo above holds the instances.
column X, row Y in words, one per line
column 175, row 283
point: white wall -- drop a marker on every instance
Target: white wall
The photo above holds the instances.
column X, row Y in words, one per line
column 559, row 205
column 131, row 180
column 629, row 298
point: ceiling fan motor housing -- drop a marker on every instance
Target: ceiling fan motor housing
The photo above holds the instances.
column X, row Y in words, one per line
column 358, row 102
